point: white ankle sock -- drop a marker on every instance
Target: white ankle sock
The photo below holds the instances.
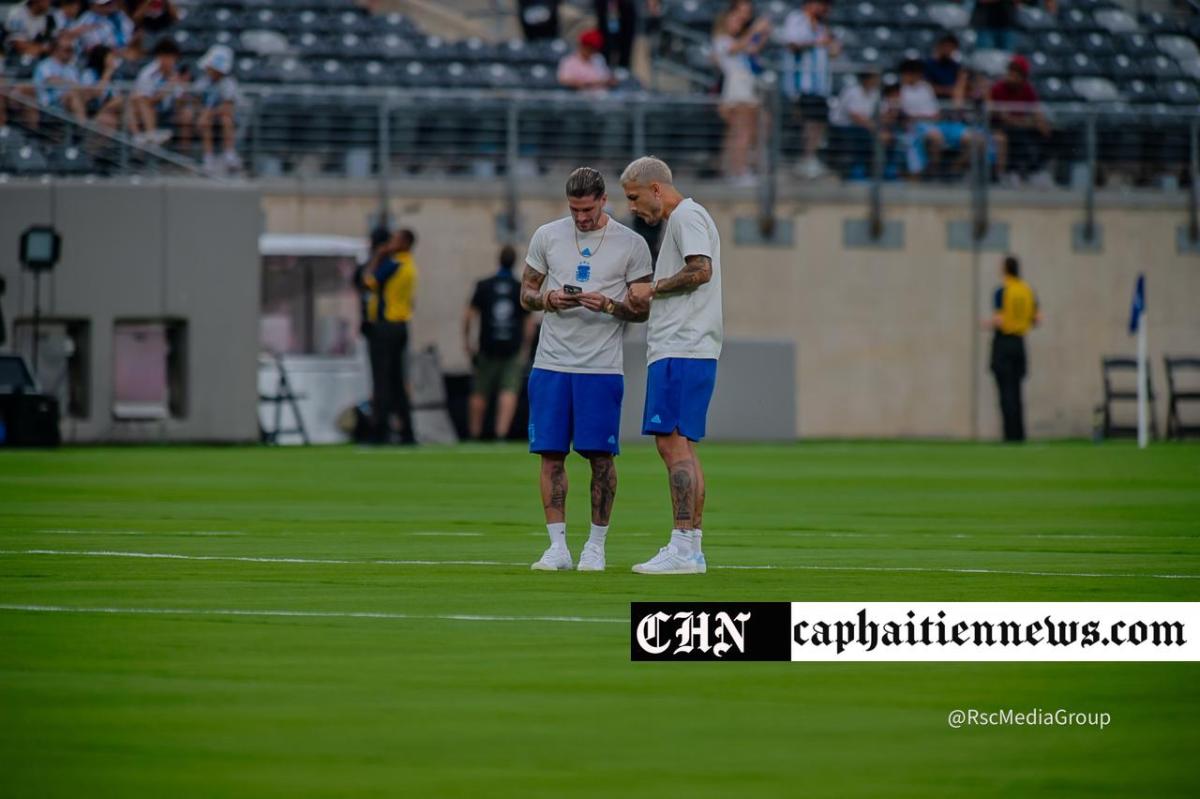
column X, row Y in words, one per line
column 682, row 540
column 598, row 535
column 558, row 534
column 697, row 536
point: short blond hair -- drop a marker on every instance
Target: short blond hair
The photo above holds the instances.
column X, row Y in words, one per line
column 647, row 170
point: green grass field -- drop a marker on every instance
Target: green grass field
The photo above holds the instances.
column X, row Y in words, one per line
column 411, row 702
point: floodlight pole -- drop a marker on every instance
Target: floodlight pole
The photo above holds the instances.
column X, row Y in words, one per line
column 37, row 315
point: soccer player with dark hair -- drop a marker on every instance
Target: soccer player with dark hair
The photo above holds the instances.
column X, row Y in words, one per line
column 578, row 270
column 683, row 340
column 1016, row 313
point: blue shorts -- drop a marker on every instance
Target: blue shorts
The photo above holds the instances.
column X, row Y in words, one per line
column 566, row 407
column 678, row 391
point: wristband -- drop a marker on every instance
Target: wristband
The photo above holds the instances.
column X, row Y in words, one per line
column 610, row 307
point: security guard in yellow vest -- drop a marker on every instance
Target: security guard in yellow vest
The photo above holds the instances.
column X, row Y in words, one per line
column 391, row 279
column 1016, row 312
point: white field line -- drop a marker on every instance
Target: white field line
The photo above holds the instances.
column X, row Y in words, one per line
column 948, row 570
column 306, row 614
column 1042, row 536
column 214, row 533
column 250, row 559
column 380, row 562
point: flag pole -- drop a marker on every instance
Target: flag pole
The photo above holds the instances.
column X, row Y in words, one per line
column 1143, row 427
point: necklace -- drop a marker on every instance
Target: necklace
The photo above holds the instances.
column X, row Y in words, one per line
column 603, row 233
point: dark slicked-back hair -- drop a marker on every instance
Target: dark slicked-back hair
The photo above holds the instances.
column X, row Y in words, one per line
column 586, row 182
column 1012, row 266
column 508, row 257
column 409, row 238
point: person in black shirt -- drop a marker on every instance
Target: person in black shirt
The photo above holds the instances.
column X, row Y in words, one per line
column 505, row 329
column 995, row 23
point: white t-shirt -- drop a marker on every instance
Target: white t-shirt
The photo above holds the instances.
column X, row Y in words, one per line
column 579, row 340
column 151, row 80
column 806, row 72
column 214, row 93
column 687, row 325
column 853, row 100
column 23, row 26
column 738, row 86
column 919, row 101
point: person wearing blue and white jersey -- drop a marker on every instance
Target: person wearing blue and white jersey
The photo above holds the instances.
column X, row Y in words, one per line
column 104, row 103
column 684, row 337
column 217, row 91
column 808, row 77
column 56, row 80
column 30, row 29
column 579, row 270
column 158, row 92
column 108, row 24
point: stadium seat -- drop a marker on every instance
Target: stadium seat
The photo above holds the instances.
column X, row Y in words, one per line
column 1157, row 22
column 1181, row 92
column 1116, row 20
column 1055, row 90
column 1095, row 89
column 71, row 161
column 264, row 42
column 1034, row 19
column 1181, row 48
column 26, row 159
column 949, row 16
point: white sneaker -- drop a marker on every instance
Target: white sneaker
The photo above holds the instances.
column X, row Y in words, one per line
column 233, row 161
column 212, row 166
column 811, row 169
column 554, row 559
column 670, row 560
column 591, row 559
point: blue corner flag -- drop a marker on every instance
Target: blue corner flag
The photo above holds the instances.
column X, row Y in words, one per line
column 1139, row 305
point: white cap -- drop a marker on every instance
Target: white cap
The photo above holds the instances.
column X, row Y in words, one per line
column 218, row 57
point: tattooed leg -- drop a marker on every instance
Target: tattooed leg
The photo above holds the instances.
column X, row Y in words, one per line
column 604, row 488
column 698, row 514
column 554, row 487
column 682, row 476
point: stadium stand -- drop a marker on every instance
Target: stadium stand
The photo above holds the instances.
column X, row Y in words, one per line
column 324, row 83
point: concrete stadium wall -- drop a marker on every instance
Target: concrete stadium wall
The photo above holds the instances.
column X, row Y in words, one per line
column 150, row 250
column 886, row 342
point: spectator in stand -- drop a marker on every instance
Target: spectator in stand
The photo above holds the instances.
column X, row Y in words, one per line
column 855, row 125
column 104, row 104
column 68, row 21
column 585, row 69
column 109, row 25
column 152, row 16
column 30, row 29
column 217, row 90
column 1021, row 124
column 807, row 78
column 159, row 92
column 995, row 23
column 618, row 21
column 539, row 19
column 56, row 80
column 930, row 136
column 737, row 40
column 944, row 71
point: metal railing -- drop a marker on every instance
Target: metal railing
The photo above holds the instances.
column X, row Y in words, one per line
column 387, row 136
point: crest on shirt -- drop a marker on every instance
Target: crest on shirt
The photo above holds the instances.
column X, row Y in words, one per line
column 583, row 272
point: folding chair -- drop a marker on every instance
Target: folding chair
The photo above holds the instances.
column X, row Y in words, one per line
column 1177, row 396
column 1116, row 391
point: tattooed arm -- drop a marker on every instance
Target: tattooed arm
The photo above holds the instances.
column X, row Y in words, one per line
column 697, row 270
column 532, row 298
column 531, row 290
column 628, row 310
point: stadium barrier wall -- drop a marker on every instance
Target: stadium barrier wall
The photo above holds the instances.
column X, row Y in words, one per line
column 886, row 342
column 183, row 251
